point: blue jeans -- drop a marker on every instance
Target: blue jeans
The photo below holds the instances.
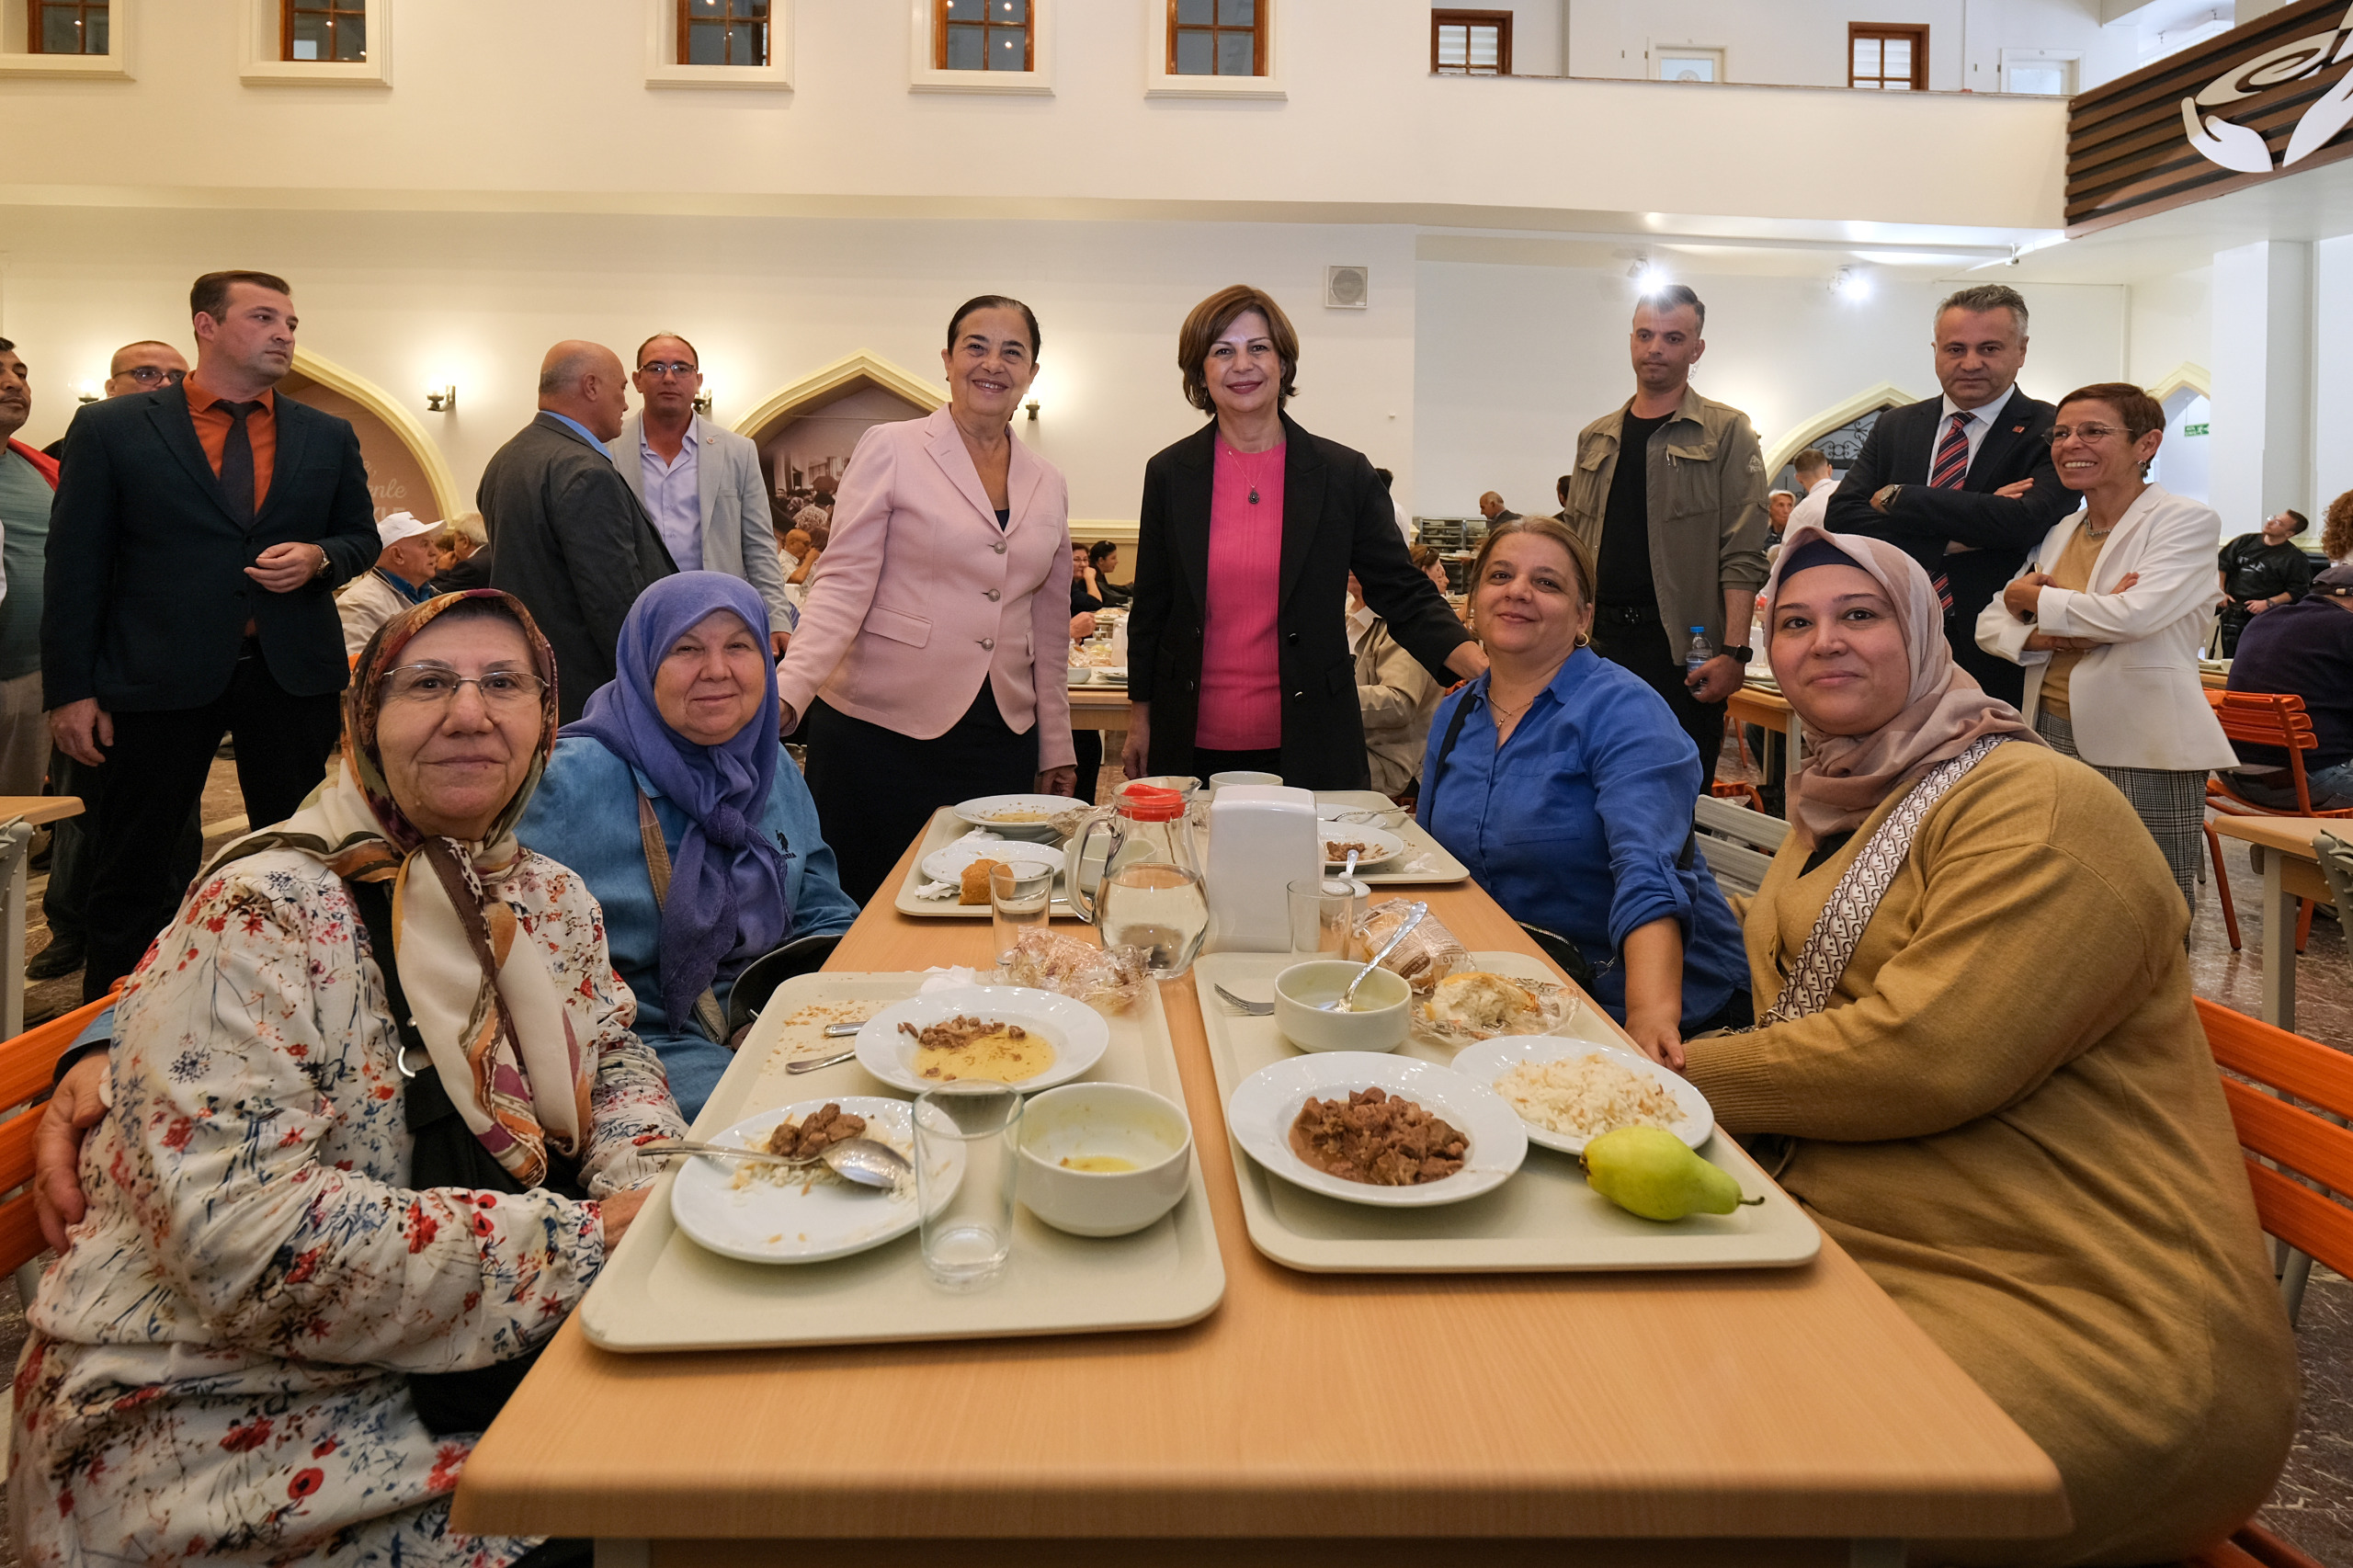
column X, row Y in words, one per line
column 2337, row 780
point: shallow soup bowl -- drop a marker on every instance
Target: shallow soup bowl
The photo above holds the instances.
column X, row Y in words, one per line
column 1378, row 1021
column 1109, row 1125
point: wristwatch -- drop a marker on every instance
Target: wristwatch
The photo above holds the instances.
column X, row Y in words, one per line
column 1742, row 654
column 1884, row 497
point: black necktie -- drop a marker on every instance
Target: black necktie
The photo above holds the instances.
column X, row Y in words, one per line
column 237, row 462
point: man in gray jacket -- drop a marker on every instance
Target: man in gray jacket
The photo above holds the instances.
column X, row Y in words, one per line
column 700, row 485
column 567, row 535
column 1680, row 533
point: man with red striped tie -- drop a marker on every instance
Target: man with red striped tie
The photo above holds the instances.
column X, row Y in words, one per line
column 1964, row 483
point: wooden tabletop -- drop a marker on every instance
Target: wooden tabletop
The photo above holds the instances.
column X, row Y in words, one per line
column 1784, row 1404
column 39, row 809
column 2292, row 836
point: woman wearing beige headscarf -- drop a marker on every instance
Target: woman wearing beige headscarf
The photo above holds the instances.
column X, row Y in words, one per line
column 1983, row 1075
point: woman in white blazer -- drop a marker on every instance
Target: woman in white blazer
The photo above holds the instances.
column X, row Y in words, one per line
column 933, row 647
column 2113, row 610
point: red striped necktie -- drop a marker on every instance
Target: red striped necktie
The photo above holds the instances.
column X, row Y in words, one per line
column 1947, row 472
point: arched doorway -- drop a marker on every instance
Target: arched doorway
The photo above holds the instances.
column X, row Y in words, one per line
column 2183, row 465
column 806, row 431
column 405, row 471
column 1839, row 432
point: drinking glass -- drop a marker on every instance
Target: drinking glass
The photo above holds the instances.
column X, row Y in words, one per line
column 967, row 1222
column 1020, row 893
column 1159, row 907
column 1325, row 913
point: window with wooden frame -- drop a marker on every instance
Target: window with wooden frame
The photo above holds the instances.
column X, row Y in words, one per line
column 722, row 32
column 1217, row 38
column 1470, row 43
column 983, row 35
column 67, row 27
column 325, row 29
column 1889, row 56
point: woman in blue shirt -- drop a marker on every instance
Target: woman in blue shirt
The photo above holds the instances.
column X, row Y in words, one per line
column 1566, row 785
column 686, row 730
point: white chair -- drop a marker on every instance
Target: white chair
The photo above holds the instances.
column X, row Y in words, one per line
column 1737, row 842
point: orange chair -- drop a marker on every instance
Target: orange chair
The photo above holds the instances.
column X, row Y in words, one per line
column 25, row 1064
column 1747, row 794
column 2264, row 719
column 2271, row 1128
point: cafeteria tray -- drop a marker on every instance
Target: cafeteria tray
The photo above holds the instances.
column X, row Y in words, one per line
column 661, row 1291
column 946, row 828
column 1544, row 1219
column 1425, row 860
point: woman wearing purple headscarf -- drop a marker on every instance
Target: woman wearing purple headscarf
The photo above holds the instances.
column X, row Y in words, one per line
column 685, row 737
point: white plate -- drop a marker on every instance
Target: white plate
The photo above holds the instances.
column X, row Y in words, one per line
column 947, row 864
column 1266, row 1104
column 763, row 1224
column 977, row 813
column 1380, row 847
column 1489, row 1060
column 1112, row 674
column 1076, row 1032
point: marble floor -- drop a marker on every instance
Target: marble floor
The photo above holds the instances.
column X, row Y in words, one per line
column 2311, row 1505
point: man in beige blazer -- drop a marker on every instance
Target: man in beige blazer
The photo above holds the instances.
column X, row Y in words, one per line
column 700, row 485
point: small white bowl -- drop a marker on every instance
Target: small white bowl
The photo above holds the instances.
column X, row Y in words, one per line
column 1378, row 1022
column 1081, row 674
column 1118, row 1119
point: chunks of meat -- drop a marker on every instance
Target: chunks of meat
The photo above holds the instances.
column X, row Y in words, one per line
column 816, row 1132
column 959, row 1031
column 1377, row 1138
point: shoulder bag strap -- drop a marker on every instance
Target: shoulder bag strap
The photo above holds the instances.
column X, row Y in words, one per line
column 1830, row 945
column 657, row 866
column 1445, row 750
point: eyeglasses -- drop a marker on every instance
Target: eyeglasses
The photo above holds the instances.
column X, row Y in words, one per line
column 2059, row 433
column 155, row 375
column 437, row 684
column 658, row 369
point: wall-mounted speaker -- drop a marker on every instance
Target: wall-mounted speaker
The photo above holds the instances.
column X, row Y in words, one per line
column 1348, row 288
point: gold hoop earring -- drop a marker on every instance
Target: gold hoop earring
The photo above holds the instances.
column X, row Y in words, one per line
column 1582, row 641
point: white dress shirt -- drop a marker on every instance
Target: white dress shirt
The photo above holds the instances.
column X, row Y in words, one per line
column 1814, row 506
column 674, row 499
column 1980, row 422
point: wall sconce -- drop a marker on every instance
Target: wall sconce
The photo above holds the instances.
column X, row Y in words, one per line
column 86, row 392
column 1648, row 276
column 702, row 402
column 1852, row 284
column 442, row 399
column 1031, row 409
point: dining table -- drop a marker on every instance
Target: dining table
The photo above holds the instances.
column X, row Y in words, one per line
column 2283, row 852
column 1099, row 707
column 19, row 816
column 1762, row 704
column 1765, row 1416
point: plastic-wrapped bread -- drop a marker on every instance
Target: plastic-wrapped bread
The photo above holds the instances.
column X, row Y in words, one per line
column 1427, row 955
column 1108, row 979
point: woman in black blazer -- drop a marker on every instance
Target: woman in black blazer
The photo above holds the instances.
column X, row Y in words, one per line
column 1237, row 638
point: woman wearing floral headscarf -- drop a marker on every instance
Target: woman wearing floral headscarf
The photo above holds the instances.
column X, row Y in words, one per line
column 684, row 738
column 1983, row 1073
column 374, row 1098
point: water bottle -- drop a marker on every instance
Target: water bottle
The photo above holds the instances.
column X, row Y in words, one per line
column 1701, row 652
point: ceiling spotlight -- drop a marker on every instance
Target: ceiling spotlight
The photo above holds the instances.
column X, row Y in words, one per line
column 1648, row 276
column 1849, row 283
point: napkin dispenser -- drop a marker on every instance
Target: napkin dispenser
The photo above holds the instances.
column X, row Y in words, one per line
column 1262, row 839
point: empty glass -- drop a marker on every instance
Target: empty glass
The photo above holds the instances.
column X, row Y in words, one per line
column 1158, row 907
column 1326, row 914
column 967, row 1202
column 1020, row 894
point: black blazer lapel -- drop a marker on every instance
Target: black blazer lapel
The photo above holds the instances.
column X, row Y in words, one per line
column 1188, row 511
column 167, row 412
column 293, row 440
column 1918, row 434
column 2007, row 453
column 1302, row 504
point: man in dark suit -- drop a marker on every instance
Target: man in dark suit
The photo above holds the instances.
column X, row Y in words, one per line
column 199, row 534
column 567, row 535
column 1927, row 478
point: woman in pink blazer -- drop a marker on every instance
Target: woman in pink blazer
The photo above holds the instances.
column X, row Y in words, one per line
column 930, row 655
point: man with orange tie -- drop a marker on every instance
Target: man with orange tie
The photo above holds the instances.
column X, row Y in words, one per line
column 1930, row 474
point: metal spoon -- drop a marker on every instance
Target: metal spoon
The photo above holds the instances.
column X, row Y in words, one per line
column 860, row 1160
column 810, row 1066
column 1347, row 1003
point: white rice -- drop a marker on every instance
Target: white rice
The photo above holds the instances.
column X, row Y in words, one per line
column 1585, row 1097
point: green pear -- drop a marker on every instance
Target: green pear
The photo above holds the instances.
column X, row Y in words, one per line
column 1651, row 1172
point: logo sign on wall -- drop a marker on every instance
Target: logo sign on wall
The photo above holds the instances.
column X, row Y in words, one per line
column 2205, row 118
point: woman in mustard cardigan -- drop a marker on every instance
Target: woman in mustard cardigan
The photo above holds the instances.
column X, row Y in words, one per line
column 1985, row 1078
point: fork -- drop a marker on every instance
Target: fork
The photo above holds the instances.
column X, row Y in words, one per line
column 1255, row 1009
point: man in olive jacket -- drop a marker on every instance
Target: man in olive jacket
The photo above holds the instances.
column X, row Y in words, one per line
column 567, row 535
column 1680, row 534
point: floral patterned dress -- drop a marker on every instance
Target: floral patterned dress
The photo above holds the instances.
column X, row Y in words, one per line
column 216, row 1366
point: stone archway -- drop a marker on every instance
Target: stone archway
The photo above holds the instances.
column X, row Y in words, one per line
column 805, row 431
column 1839, row 431
column 405, row 470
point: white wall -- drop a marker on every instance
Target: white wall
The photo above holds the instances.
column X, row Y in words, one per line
column 2173, row 325
column 1514, row 360
column 401, row 298
column 1804, row 42
column 2332, row 376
